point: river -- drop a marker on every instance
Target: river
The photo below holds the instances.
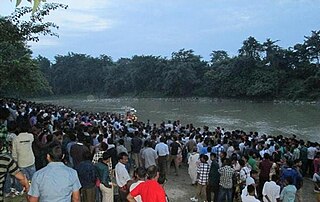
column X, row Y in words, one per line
column 267, row 118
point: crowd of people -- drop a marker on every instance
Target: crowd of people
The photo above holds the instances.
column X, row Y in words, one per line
column 54, row 153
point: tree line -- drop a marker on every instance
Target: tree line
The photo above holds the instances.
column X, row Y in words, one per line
column 260, row 70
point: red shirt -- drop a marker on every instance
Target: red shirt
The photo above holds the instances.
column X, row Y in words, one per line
column 150, row 191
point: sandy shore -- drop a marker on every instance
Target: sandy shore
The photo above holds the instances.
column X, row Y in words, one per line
column 179, row 188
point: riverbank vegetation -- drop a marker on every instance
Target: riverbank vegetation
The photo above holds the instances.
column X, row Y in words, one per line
column 261, row 70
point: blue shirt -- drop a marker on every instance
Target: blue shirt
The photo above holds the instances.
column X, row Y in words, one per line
column 54, row 183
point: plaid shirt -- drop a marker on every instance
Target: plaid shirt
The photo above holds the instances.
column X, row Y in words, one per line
column 203, row 173
column 97, row 156
column 226, row 174
column 218, row 149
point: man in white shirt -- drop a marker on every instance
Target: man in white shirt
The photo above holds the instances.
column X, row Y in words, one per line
column 312, row 150
column 250, row 197
column 22, row 152
column 162, row 150
column 271, row 191
column 122, row 176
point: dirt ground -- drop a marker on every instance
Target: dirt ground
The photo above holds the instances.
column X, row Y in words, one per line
column 179, row 188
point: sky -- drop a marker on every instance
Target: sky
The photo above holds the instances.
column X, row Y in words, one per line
column 124, row 28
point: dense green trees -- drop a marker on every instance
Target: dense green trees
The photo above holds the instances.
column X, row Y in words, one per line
column 19, row 72
column 259, row 71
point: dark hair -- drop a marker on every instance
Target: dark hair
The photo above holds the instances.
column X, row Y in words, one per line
column 253, row 172
column 104, row 146
column 250, row 189
column 152, row 172
column 121, row 141
column 289, row 180
column 266, row 156
column 121, row 155
column 214, row 155
column 141, row 172
column 4, row 113
column 106, row 155
column 87, row 155
column 274, row 178
column 55, row 153
column 72, row 137
column 241, row 162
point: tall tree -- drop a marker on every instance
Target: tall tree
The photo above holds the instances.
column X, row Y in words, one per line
column 251, row 48
column 312, row 45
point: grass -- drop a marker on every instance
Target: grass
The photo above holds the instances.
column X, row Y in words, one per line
column 16, row 199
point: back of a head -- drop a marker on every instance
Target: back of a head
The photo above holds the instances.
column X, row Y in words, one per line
column 121, row 142
column 241, row 162
column 55, row 153
column 106, row 155
column 275, row 178
column 152, row 172
column 87, row 156
column 289, row 180
column 141, row 172
column 251, row 189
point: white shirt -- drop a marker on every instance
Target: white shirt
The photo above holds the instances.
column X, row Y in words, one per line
column 249, row 180
column 122, row 175
column 272, row 190
column 249, row 198
column 162, row 149
column 311, row 152
column 22, row 149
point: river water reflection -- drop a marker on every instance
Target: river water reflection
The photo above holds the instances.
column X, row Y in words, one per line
column 302, row 120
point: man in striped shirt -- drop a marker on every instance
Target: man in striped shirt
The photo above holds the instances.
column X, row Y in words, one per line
column 7, row 164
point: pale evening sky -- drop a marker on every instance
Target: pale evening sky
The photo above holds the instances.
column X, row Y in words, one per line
column 124, row 28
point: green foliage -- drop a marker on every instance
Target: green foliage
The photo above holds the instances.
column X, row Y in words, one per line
column 19, row 73
column 33, row 27
column 36, row 4
column 260, row 71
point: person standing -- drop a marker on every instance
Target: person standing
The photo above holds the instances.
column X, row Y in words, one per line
column 150, row 190
column 271, row 191
column 122, row 176
column 77, row 150
column 226, row 184
column 136, row 144
column 140, row 175
column 162, row 150
column 288, row 193
column 203, row 178
column 105, row 185
column 87, row 175
column 149, row 156
column 265, row 166
column 22, row 151
column 214, row 178
column 250, row 197
column 175, row 149
column 8, row 165
column 56, row 182
column 193, row 162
